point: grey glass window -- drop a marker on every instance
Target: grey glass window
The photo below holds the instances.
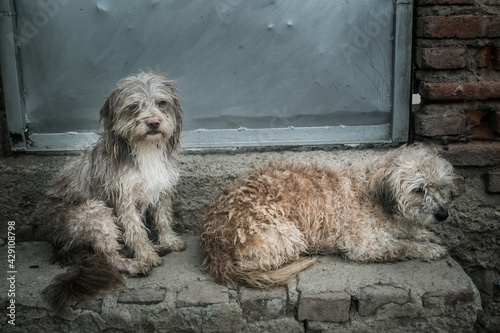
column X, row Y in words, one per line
column 250, row 73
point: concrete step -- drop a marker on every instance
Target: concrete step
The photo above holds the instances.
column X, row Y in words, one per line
column 331, row 296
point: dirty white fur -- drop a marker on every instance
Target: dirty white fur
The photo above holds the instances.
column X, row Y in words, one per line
column 103, row 197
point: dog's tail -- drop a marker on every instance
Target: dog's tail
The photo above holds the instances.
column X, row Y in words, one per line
column 93, row 275
column 268, row 279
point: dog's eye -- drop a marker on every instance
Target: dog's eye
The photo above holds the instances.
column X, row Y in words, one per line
column 133, row 107
column 419, row 190
column 161, row 103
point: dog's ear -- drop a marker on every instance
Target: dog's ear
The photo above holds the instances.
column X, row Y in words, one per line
column 382, row 190
column 116, row 146
column 176, row 136
column 175, row 139
column 107, row 112
column 104, row 114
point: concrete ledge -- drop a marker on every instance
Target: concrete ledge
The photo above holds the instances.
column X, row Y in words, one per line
column 331, row 295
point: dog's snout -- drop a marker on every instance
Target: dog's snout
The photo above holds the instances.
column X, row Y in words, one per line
column 441, row 215
column 153, row 123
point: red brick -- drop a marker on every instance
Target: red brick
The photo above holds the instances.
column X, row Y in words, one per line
column 439, row 124
column 473, row 153
column 473, row 117
column 496, row 58
column 458, row 26
column 483, row 57
column 444, row 2
column 441, row 58
column 460, row 90
column 454, row 26
column 483, row 131
column 494, row 121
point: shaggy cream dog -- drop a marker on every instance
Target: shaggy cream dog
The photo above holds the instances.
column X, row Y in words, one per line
column 261, row 228
column 101, row 200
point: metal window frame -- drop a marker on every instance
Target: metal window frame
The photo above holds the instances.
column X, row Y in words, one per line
column 11, row 77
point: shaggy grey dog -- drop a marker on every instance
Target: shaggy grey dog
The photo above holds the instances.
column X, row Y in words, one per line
column 101, row 199
column 262, row 227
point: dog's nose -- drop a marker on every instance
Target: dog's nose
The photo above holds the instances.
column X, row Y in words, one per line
column 441, row 215
column 153, row 123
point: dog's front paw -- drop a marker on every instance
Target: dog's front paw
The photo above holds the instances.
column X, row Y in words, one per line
column 135, row 267
column 150, row 257
column 155, row 260
column 162, row 249
column 427, row 236
column 173, row 242
column 433, row 252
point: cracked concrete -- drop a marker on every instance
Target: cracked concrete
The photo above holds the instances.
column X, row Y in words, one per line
column 331, row 295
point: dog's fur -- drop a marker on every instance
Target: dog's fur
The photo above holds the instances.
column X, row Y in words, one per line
column 261, row 226
column 101, row 200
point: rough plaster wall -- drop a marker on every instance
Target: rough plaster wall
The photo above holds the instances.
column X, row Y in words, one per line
column 472, row 233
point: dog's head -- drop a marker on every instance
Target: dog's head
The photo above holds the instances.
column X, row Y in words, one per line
column 142, row 110
column 414, row 183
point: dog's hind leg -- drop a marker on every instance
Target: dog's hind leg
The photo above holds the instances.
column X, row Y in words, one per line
column 163, row 219
column 87, row 237
column 270, row 254
column 93, row 225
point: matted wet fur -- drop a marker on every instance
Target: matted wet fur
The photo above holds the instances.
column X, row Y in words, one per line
column 262, row 228
column 101, row 199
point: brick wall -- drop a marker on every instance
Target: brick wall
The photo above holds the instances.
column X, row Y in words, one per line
column 457, row 74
